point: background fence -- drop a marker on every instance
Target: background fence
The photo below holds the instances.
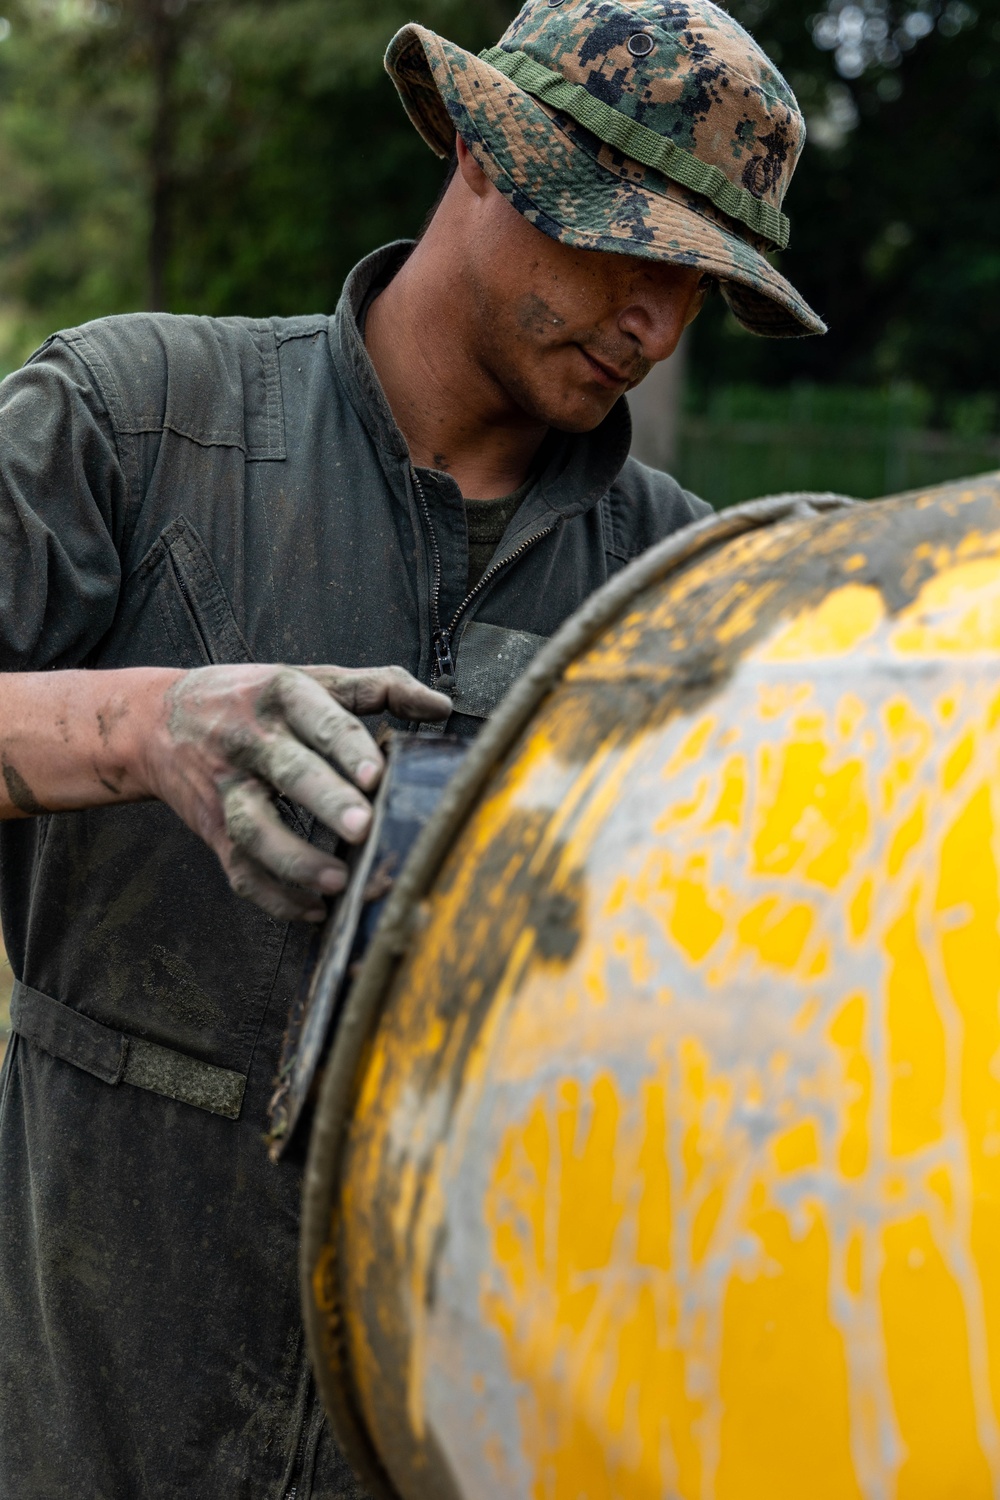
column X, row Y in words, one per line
column 743, row 441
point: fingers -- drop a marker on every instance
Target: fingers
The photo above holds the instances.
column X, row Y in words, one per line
column 297, row 772
column 301, row 720
column 368, row 690
column 268, row 864
column 255, row 828
column 251, row 881
column 319, row 721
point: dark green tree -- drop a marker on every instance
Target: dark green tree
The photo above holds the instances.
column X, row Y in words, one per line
column 895, row 210
column 231, row 156
column 220, row 156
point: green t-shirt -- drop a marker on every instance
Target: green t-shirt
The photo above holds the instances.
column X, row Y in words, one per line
column 487, row 521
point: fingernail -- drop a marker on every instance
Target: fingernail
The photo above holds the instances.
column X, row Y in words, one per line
column 356, row 819
column 331, row 880
column 368, row 772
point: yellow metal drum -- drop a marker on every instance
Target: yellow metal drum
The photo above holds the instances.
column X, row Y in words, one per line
column 671, row 1164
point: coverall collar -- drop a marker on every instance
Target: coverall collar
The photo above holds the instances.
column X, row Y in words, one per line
column 580, row 467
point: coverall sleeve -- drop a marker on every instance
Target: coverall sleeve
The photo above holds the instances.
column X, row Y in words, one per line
column 62, row 498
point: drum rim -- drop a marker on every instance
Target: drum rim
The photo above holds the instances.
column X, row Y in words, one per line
column 325, row 1334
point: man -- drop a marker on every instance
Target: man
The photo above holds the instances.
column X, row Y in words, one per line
column 436, row 472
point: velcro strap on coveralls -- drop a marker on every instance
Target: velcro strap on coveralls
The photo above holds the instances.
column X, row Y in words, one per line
column 490, row 658
column 114, row 1057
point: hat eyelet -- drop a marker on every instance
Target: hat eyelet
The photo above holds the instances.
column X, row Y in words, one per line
column 640, row 44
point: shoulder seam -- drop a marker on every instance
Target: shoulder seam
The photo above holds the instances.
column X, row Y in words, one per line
column 101, row 371
column 309, row 331
column 108, row 390
column 259, row 439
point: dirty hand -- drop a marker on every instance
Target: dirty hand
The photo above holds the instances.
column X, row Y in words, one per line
column 231, row 739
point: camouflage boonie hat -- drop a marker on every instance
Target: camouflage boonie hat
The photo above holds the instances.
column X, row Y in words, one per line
column 655, row 128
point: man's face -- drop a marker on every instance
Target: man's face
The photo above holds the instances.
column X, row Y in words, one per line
column 564, row 332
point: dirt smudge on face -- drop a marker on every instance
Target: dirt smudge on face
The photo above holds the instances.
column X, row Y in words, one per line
column 536, row 316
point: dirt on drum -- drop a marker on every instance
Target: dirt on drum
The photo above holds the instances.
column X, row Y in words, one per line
column 667, row 1158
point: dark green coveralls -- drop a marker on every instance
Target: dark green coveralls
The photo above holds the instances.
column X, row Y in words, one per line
column 176, row 491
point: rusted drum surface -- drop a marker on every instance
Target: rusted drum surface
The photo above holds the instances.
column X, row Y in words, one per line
column 671, row 1166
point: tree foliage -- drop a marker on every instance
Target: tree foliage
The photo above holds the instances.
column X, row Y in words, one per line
column 221, row 156
column 895, row 210
column 238, row 156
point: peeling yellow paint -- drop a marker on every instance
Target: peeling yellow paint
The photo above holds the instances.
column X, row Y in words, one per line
column 773, row 1434
column 917, row 1058
column 927, row 1364
column 797, row 1148
column 957, row 610
column 699, row 1198
column 911, row 739
column 815, row 815
column 906, row 837
column 732, row 793
column 776, row 931
column 847, row 1033
column 774, row 699
column 839, row 624
column 696, row 925
column 959, row 760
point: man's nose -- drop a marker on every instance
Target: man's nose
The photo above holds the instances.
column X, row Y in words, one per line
column 656, row 321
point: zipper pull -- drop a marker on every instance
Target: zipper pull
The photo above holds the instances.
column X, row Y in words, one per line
column 444, row 666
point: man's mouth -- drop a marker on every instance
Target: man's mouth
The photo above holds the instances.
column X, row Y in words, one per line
column 606, row 375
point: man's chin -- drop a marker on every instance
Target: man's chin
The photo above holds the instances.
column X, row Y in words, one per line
column 564, row 405
column 581, row 415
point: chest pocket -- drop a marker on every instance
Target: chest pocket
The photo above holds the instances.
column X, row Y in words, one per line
column 174, row 610
column 194, row 611
column 489, row 660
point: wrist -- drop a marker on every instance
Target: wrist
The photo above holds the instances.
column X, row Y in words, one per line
column 132, row 715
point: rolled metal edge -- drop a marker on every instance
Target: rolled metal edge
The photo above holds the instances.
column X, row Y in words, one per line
column 398, row 926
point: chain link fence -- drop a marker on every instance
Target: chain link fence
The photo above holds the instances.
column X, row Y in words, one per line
column 746, row 442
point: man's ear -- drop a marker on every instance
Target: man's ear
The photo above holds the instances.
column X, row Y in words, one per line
column 472, row 173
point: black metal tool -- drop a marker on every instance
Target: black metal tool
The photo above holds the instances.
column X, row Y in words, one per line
column 418, row 768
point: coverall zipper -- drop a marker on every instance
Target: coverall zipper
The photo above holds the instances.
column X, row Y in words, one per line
column 442, row 636
column 182, row 584
column 300, row 1453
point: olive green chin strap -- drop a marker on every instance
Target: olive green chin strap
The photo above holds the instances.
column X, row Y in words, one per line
column 640, row 143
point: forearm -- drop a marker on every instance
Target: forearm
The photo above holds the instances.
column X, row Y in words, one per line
column 73, row 739
column 217, row 744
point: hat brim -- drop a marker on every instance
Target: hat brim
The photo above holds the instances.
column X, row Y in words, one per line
column 575, row 189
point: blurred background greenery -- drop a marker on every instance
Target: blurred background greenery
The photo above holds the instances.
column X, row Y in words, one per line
column 895, row 240
column 238, row 156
